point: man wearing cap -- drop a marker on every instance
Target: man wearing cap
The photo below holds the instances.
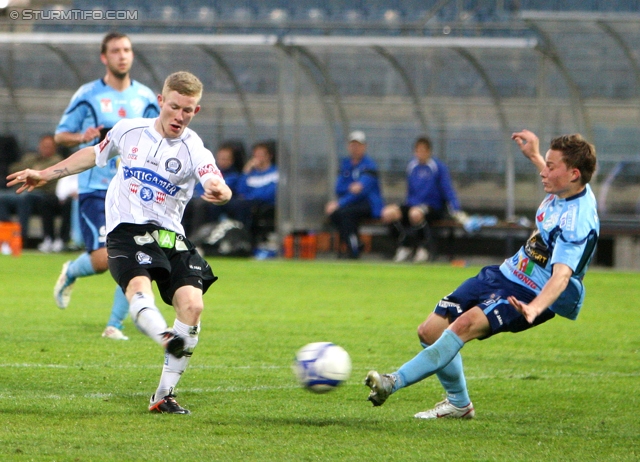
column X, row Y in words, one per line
column 358, row 192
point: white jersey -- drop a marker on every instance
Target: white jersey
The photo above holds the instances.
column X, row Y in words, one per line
column 156, row 175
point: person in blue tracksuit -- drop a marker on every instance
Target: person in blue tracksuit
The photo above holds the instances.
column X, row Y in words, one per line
column 230, row 160
column 358, row 194
column 542, row 279
column 256, row 190
column 430, row 197
column 94, row 109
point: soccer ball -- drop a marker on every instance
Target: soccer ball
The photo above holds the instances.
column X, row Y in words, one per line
column 321, row 366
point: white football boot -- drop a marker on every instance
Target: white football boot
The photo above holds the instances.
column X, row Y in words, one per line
column 444, row 409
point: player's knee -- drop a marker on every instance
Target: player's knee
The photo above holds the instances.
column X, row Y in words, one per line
column 189, row 304
column 390, row 213
column 416, row 216
column 426, row 333
column 472, row 324
column 100, row 260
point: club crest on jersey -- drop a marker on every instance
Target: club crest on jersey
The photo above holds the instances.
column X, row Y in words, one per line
column 146, row 194
column 133, row 153
column 172, row 165
column 106, row 105
column 122, row 112
column 143, row 258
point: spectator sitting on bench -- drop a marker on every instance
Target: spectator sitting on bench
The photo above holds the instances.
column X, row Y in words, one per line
column 359, row 196
column 230, row 160
column 430, row 197
column 254, row 202
column 44, row 202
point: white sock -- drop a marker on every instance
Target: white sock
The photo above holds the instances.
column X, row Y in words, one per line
column 147, row 317
column 174, row 367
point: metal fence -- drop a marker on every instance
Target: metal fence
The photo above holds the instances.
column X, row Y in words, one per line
column 555, row 73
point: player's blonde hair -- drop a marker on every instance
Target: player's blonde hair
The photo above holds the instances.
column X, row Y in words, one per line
column 184, row 83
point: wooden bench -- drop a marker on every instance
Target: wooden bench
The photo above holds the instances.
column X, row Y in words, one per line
column 618, row 246
column 447, row 232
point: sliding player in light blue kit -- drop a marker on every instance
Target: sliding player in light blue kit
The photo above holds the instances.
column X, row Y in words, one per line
column 542, row 279
column 94, row 109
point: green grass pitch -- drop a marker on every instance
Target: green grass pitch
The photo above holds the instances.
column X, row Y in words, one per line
column 563, row 391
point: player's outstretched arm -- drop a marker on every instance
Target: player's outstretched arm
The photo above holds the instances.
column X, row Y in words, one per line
column 216, row 191
column 529, row 144
column 70, row 139
column 29, row 179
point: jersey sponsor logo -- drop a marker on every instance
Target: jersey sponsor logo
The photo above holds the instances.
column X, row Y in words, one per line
column 149, row 177
column 122, row 112
column 133, row 153
column 209, row 168
column 525, row 265
column 540, row 217
column 146, row 194
column 172, row 165
column 105, row 105
column 525, row 280
column 537, row 250
column 161, row 197
column 134, row 187
column 143, row 258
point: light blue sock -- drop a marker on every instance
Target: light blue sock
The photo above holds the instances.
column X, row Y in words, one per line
column 429, row 361
column 119, row 310
column 452, row 379
column 81, row 267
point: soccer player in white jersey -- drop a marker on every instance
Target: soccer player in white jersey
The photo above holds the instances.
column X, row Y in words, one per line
column 160, row 161
column 542, row 279
column 94, row 108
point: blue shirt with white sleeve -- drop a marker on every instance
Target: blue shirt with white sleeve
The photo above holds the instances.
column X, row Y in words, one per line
column 96, row 103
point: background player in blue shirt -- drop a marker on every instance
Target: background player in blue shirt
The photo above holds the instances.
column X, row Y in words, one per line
column 359, row 194
column 94, row 109
column 430, row 197
column 256, row 189
column 543, row 279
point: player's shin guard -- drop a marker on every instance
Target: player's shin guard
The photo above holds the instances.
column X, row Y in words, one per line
column 452, row 379
column 174, row 367
column 146, row 316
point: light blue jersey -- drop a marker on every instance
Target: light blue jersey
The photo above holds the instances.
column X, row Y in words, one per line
column 567, row 232
column 95, row 104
